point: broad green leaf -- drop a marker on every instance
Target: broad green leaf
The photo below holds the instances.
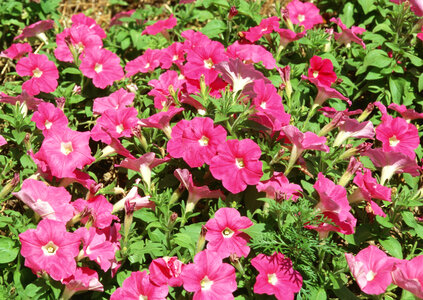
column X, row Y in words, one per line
column 377, row 58
column 392, row 246
column 214, row 28
column 8, row 250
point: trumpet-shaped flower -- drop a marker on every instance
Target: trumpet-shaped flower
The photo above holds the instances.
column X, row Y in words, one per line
column 348, row 35
column 35, row 29
column 81, row 19
column 251, row 53
column 166, row 271
column 84, row 279
column 48, row 115
column 322, row 70
column 406, row 113
column 116, row 100
column 304, row 14
column 266, row 26
column 144, row 63
column 409, row 275
column 165, row 88
column 160, row 26
column 16, row 51
column 279, row 188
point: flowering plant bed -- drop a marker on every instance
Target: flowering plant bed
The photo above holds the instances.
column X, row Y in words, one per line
column 211, row 150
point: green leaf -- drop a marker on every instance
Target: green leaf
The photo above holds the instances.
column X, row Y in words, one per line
column 146, row 215
column 318, row 294
column 347, row 14
column 367, row 5
column 418, row 62
column 392, row 246
column 214, row 28
column 384, row 222
column 71, row 70
column 377, row 58
column 255, row 231
column 420, row 85
column 8, row 250
column 396, row 85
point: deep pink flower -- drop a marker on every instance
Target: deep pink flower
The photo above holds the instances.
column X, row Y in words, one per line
column 160, row 26
column 409, row 275
column 145, row 63
column 168, row 83
column 276, row 276
column 2, row 141
column 123, row 14
column 50, row 248
column 174, row 54
column 325, row 92
column 279, row 188
column 251, row 53
column 266, row 26
column 196, row 141
column 287, row 36
column 116, row 100
column 99, row 208
column 102, row 66
column 166, row 271
column 348, row 35
column 81, row 19
column 139, row 286
column 161, row 120
column 371, row 268
column 322, row 70
column 304, row 14
column 48, row 202
column 194, row 39
column 43, row 72
column 407, row 114
column 35, row 29
column 225, row 235
column 397, row 135
column 16, row 51
column 48, row 115
column 84, row 279
column 24, row 99
column 209, row 278
column 237, row 164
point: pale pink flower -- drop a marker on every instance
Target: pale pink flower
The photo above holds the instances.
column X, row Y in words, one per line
column 42, row 71
column 84, row 279
column 237, row 164
column 408, row 275
column 276, row 276
column 116, row 100
column 209, row 278
column 279, row 188
column 166, row 271
column 24, row 99
column 266, row 26
column 135, row 201
column 35, row 29
column 160, row 26
column 287, row 36
column 304, row 14
column 48, row 115
column 251, row 53
column 407, row 114
column 50, row 248
column 2, row 141
column 81, row 19
column 16, row 51
column 145, row 63
column 348, row 35
column 371, row 268
column 351, row 128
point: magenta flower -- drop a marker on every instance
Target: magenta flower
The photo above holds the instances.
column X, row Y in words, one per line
column 65, row 150
column 48, row 115
column 409, row 275
column 287, row 36
column 35, row 29
column 371, row 268
column 174, row 54
column 48, row 202
column 24, row 99
column 50, row 248
column 325, row 92
column 100, row 211
column 102, row 66
column 349, row 128
column 116, row 100
column 237, row 164
column 276, row 276
column 251, row 53
column 161, row 120
column 84, row 279
column 266, row 26
column 166, row 271
column 81, row 19
column 123, row 14
column 209, row 278
column 2, row 141
column 160, row 26
column 196, row 141
column 322, row 70
column 225, row 235
column 348, row 35
column 16, row 51
column 145, row 63
column 304, row 14
column 139, row 286
column 168, row 83
column 407, row 114
column 42, row 71
column 279, row 188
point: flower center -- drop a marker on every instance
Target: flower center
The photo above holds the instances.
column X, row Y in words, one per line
column 119, row 128
column 201, row 112
column 49, row 249
column 393, row 141
column 48, row 124
column 208, row 63
column 301, row 18
column 142, row 297
column 206, row 283
column 239, row 163
column 315, row 74
column 204, row 141
column 263, row 105
column 66, row 147
column 147, row 66
column 80, row 47
column 98, row 68
column 227, row 233
column 175, row 57
column 37, row 72
column 370, row 276
column 272, row 279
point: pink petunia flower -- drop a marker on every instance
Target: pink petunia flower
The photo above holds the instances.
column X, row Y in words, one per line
column 81, row 19
column 304, row 14
column 17, row 51
column 100, row 211
column 196, row 141
column 279, row 188
column 160, row 26
column 48, row 202
column 116, row 100
column 371, row 268
column 237, row 164
column 225, row 235
column 34, row 29
column 251, row 53
column 166, row 271
column 144, row 63
column 322, row 70
column 325, row 92
column 65, row 150
column 133, row 201
column 25, row 99
column 174, row 54
column 48, row 115
column 123, row 14
column 407, row 114
column 209, row 278
column 84, row 279
column 349, row 128
column 165, row 88
column 276, row 276
column 161, row 120
column 348, row 35
column 2, row 141
column 408, row 275
column 102, row 66
column 139, row 286
column 42, row 71
column 266, row 26
column 287, row 36
column 50, row 248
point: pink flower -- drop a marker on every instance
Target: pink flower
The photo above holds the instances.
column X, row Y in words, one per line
column 409, row 275
column 102, row 66
column 43, row 73
column 407, row 114
column 2, row 141
column 81, row 19
column 35, row 29
column 48, row 115
column 135, row 201
column 139, row 286
column 348, row 35
column 349, row 128
column 276, row 276
column 224, row 233
column 196, row 141
column 65, row 150
column 237, row 164
column 174, row 54
column 16, row 51
column 166, row 271
column 322, row 70
column 304, row 14
column 99, row 211
column 371, row 269
column 251, row 53
column 266, row 26
column 84, row 279
column 209, row 278
column 116, row 100
column 24, row 99
column 145, row 63
column 167, row 84
column 397, row 135
column 50, row 248
column 287, row 36
column 161, row 120
column 123, row 14
column 47, row 201
column 325, row 92
column 279, row 188
column 160, row 26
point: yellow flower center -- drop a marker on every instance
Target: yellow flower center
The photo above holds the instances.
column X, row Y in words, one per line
column 272, row 279
column 98, row 68
column 119, row 128
column 37, row 72
column 66, row 147
column 239, row 163
column 315, row 74
column 48, row 124
column 204, row 141
column 227, row 233
column 370, row 276
column 206, row 283
column 208, row 63
column 50, row 248
column 393, row 141
column 301, row 18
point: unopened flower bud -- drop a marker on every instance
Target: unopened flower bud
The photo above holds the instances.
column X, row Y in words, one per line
column 366, row 112
column 352, row 168
column 60, row 102
column 202, row 239
column 232, row 13
column 10, row 186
